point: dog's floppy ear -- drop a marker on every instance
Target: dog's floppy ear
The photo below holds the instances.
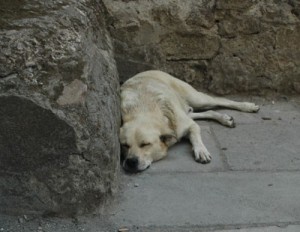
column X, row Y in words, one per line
column 168, row 139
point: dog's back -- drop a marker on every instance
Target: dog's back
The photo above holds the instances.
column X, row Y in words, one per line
column 148, row 90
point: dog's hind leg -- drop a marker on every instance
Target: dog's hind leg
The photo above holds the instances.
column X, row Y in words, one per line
column 208, row 102
column 199, row 100
column 224, row 119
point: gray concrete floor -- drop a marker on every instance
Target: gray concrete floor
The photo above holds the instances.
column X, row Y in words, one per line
column 252, row 184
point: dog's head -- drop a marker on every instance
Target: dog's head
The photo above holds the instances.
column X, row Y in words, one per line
column 143, row 143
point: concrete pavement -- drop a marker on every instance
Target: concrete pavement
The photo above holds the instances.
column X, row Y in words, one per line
column 252, row 184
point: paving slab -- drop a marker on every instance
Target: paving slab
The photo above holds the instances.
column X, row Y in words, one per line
column 180, row 157
column 291, row 228
column 281, row 111
column 266, row 146
column 208, row 199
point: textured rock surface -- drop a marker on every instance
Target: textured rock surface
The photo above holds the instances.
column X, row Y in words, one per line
column 59, row 107
column 223, row 46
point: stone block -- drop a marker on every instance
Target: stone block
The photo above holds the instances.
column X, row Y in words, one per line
column 187, row 46
column 59, row 108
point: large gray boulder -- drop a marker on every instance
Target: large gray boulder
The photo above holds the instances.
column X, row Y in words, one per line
column 59, row 107
column 224, row 46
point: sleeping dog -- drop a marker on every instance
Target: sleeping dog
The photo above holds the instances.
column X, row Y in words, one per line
column 158, row 110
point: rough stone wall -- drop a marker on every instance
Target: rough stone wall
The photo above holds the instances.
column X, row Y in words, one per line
column 223, row 46
column 59, row 107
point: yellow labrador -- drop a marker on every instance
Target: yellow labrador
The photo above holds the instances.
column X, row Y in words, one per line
column 158, row 110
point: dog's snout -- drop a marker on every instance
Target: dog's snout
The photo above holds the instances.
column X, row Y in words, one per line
column 132, row 163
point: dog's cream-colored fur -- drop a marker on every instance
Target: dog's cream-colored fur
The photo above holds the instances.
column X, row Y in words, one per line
column 158, row 110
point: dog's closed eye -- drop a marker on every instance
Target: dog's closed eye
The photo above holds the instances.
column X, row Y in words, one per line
column 144, row 145
column 125, row 145
column 168, row 139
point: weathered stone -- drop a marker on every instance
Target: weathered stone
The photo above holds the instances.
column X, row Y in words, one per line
column 73, row 93
column 234, row 27
column 250, row 46
column 187, row 46
column 233, row 4
column 297, row 86
column 201, row 16
column 59, row 108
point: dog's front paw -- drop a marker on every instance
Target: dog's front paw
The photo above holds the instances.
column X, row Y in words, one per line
column 250, row 107
column 202, row 156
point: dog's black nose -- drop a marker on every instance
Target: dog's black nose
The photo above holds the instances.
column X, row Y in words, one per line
column 132, row 163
